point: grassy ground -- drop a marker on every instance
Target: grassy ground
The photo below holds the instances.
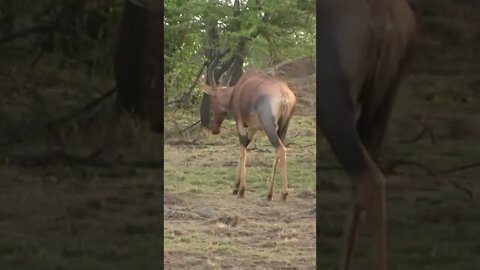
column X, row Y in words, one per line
column 206, row 227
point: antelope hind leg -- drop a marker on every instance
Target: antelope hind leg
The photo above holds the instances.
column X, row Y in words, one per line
column 272, row 183
column 351, row 231
column 282, row 152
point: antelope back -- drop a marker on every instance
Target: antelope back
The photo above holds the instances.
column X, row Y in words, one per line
column 259, row 85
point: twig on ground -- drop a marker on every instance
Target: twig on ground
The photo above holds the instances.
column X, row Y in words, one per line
column 60, row 157
column 430, row 172
column 417, row 164
column 189, row 127
column 420, row 135
column 465, row 190
column 296, row 135
column 92, row 104
column 397, row 163
column 457, row 169
column 299, row 145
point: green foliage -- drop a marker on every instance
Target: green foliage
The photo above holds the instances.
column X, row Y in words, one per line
column 82, row 33
column 273, row 30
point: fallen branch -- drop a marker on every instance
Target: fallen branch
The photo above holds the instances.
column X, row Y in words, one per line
column 420, row 135
column 463, row 189
column 189, row 127
column 430, row 172
column 26, row 32
column 397, row 163
column 60, row 157
column 92, row 104
column 393, row 165
column 299, row 145
column 15, row 136
column 460, row 168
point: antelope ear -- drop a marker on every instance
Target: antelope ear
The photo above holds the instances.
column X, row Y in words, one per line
column 207, row 89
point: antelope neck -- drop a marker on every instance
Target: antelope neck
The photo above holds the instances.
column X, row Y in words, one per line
column 230, row 98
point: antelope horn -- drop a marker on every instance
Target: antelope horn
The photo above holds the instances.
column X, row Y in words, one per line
column 211, row 70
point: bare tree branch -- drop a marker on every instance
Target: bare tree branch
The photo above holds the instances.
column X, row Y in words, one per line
column 188, row 94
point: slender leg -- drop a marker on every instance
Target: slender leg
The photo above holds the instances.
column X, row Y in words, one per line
column 272, row 183
column 245, row 137
column 282, row 154
column 237, row 181
column 370, row 197
column 242, row 173
column 351, row 229
column 376, row 217
column 282, row 133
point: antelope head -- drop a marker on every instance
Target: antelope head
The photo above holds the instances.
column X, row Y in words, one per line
column 220, row 104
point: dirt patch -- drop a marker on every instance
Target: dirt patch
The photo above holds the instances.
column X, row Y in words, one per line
column 230, row 233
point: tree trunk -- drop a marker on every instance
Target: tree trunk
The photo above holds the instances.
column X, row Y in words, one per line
column 155, row 96
column 138, row 62
column 131, row 60
column 7, row 18
column 205, row 114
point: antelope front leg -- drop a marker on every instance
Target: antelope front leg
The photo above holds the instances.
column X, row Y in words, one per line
column 237, row 182
column 241, row 184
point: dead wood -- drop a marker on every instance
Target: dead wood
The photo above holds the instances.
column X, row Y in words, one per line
column 424, row 131
column 59, row 157
column 76, row 113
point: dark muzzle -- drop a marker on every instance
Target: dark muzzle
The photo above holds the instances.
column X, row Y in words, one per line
column 215, row 128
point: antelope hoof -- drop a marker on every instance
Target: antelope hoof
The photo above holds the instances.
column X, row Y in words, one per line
column 269, row 197
column 235, row 191
column 241, row 193
column 284, row 196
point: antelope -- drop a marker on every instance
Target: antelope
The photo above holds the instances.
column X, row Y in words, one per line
column 257, row 102
column 362, row 48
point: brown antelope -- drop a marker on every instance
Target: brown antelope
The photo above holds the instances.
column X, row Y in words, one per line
column 258, row 102
column 362, row 46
